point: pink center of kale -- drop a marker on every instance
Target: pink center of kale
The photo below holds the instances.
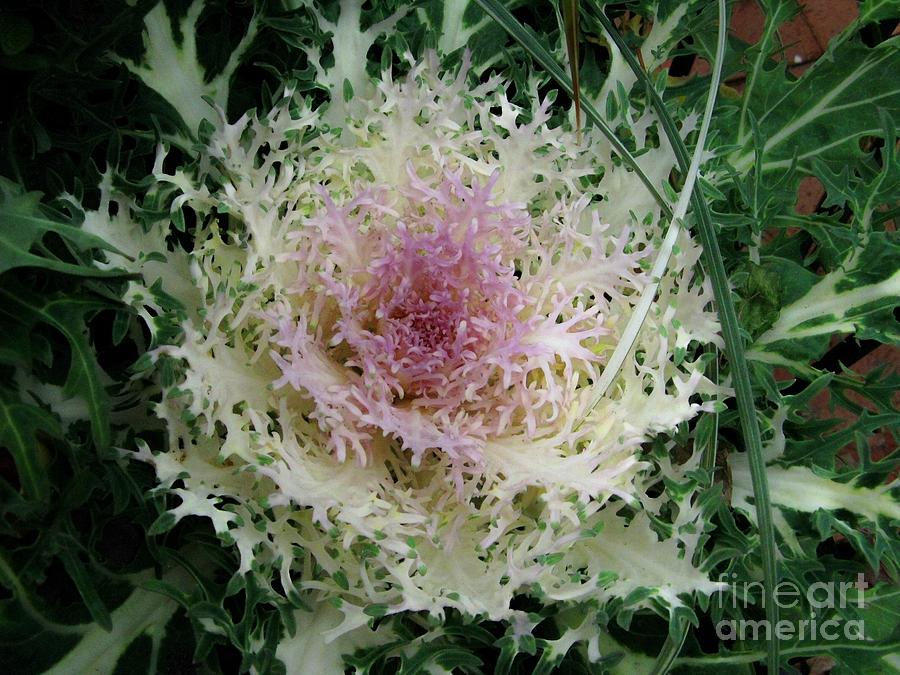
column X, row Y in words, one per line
column 425, row 333
column 436, row 300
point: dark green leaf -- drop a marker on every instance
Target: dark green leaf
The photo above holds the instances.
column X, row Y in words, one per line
column 23, row 224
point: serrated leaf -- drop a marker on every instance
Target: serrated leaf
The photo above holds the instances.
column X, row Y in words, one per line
column 20, row 426
column 857, row 298
column 877, row 10
column 79, row 574
column 875, row 652
column 23, row 223
column 801, row 489
column 825, row 112
column 67, row 315
column 144, row 613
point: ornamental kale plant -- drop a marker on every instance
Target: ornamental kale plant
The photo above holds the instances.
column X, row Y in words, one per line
column 470, row 336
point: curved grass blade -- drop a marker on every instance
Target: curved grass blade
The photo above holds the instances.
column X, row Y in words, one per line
column 734, row 346
column 530, row 43
column 648, row 293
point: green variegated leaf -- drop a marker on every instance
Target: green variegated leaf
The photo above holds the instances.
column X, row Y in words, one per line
column 858, row 297
column 860, row 640
column 824, row 113
column 877, row 10
column 24, row 222
column 172, row 66
column 140, row 635
column 462, row 24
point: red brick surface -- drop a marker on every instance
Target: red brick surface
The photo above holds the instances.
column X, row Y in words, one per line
column 803, row 38
column 747, row 21
column 799, row 44
column 827, row 18
column 881, row 443
column 809, row 195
